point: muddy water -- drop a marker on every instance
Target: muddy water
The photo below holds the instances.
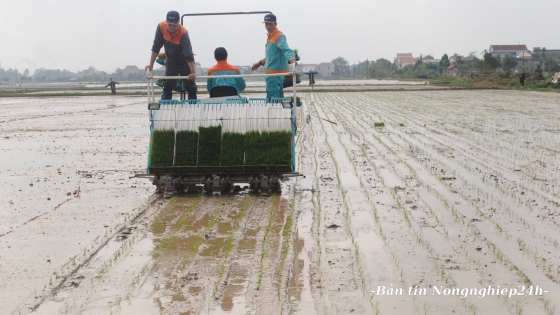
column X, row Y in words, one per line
column 45, row 143
column 419, row 202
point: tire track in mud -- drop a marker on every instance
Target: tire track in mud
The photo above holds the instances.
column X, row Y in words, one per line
column 304, row 298
column 188, row 269
column 491, row 245
column 233, row 286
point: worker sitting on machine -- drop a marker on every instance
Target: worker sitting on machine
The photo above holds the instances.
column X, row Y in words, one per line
column 224, row 86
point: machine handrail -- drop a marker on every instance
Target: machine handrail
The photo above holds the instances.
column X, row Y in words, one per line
column 224, row 13
column 221, row 76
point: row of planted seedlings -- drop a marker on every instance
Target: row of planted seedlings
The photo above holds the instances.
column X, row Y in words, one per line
column 412, row 170
column 234, row 134
column 83, row 258
column 471, row 258
column 236, row 232
column 90, row 253
column 290, row 231
column 498, row 254
column 169, row 224
column 359, row 254
column 417, row 235
column 496, row 197
column 505, row 154
column 157, row 225
column 457, row 135
column 316, row 230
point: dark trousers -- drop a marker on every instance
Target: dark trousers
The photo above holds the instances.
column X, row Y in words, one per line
column 169, row 84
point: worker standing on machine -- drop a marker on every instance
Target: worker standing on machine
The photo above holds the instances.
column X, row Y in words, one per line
column 277, row 56
column 179, row 56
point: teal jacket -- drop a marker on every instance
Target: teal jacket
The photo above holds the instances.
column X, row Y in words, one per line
column 224, row 68
column 277, row 53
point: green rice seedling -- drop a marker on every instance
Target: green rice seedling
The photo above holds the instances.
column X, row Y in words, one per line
column 280, row 148
column 187, row 147
column 256, row 148
column 233, row 145
column 161, row 153
column 379, row 124
column 209, row 145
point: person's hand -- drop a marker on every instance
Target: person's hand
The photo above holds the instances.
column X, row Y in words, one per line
column 293, row 61
column 149, row 67
column 256, row 65
column 191, row 76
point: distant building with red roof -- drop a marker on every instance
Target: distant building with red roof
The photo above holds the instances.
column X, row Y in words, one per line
column 404, row 59
column 504, row 50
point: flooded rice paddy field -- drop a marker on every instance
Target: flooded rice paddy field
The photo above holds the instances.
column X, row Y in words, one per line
column 457, row 193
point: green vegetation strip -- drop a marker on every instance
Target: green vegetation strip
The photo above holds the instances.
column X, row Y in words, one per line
column 263, row 248
column 161, row 153
column 272, row 148
column 232, row 148
column 165, row 242
column 209, row 145
column 227, row 249
column 287, row 241
column 187, row 147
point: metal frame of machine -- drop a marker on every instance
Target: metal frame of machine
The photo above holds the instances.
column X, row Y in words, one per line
column 263, row 179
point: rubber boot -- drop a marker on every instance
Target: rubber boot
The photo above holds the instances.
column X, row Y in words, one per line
column 166, row 93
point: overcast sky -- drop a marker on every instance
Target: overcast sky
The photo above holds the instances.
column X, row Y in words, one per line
column 110, row 34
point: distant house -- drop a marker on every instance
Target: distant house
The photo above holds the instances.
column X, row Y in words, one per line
column 539, row 52
column 504, row 50
column 325, row 69
column 452, row 70
column 306, row 67
column 128, row 71
column 404, row 59
column 92, row 72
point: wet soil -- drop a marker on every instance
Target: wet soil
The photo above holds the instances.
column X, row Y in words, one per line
column 458, row 190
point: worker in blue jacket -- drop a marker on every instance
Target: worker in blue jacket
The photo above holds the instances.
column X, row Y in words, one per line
column 277, row 56
column 224, row 68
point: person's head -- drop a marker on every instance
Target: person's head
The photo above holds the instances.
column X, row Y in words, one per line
column 173, row 18
column 270, row 22
column 220, row 54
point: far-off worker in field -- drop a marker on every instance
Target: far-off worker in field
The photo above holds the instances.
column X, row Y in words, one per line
column 112, row 85
column 522, row 78
column 224, row 68
column 277, row 56
column 179, row 57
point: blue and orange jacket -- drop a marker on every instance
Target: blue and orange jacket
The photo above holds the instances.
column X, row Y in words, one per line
column 224, row 68
column 277, row 53
column 178, row 49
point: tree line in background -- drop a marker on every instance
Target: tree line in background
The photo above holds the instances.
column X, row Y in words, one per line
column 381, row 68
column 56, row 75
column 428, row 67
